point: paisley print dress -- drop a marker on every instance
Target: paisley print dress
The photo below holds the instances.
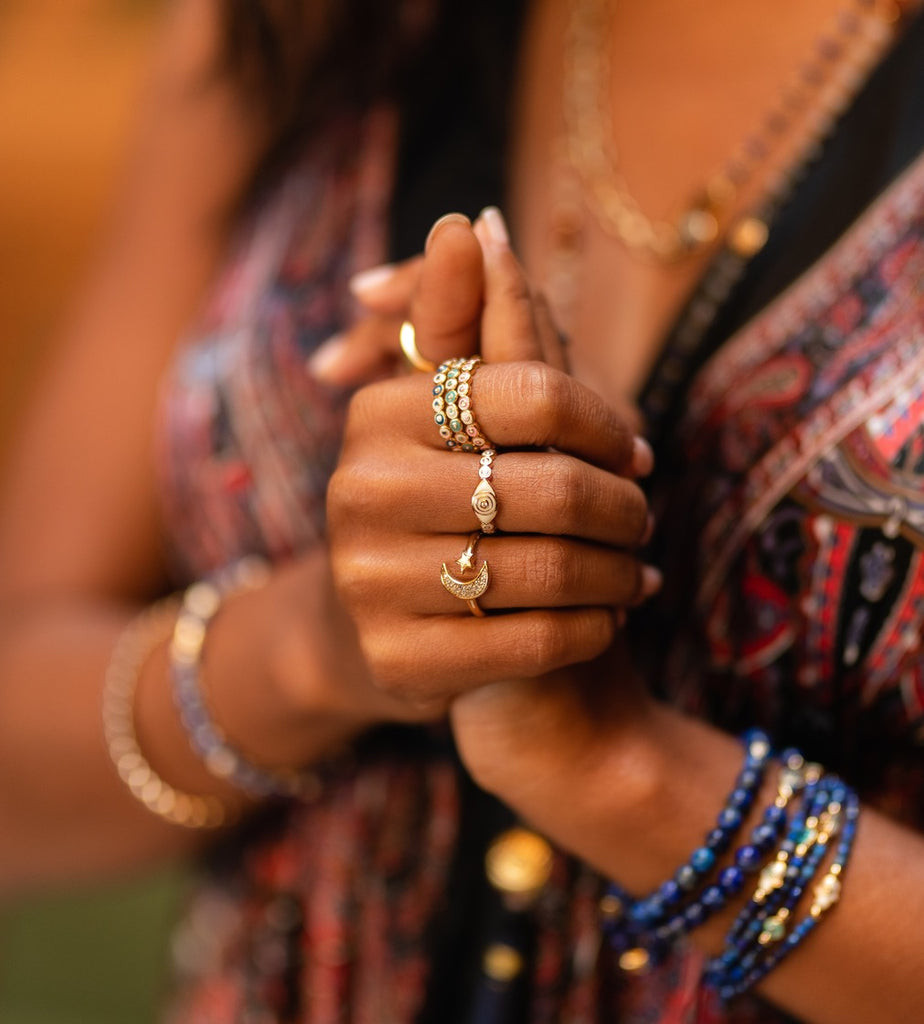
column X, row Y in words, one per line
column 790, row 493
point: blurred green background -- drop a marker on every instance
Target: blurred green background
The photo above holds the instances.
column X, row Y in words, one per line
column 70, row 76
column 93, row 956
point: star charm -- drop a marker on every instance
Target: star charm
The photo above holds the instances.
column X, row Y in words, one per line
column 465, row 559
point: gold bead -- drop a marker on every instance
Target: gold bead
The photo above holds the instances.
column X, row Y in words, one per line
column 611, row 908
column 634, row 960
column 518, row 862
column 188, row 637
column 502, row 962
column 698, row 227
column 748, row 236
column 202, row 599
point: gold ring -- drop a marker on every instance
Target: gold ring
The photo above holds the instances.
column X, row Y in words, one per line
column 452, row 405
column 408, row 337
column 484, row 500
column 467, row 590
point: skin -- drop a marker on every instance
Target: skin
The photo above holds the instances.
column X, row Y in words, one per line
column 547, row 711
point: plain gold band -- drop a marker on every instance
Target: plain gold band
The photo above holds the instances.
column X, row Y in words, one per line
column 408, row 338
column 475, row 610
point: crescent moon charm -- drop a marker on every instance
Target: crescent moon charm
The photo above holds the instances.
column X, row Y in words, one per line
column 465, row 590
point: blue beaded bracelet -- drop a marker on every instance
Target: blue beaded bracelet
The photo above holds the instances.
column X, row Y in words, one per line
column 201, row 602
column 743, row 965
column 637, row 934
column 640, row 930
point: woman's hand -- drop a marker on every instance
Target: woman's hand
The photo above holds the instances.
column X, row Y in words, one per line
column 399, row 503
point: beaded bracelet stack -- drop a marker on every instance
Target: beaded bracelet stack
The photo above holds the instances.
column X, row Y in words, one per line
column 184, row 622
column 788, row 847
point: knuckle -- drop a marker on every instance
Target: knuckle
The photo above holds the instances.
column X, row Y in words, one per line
column 536, row 385
column 361, row 412
column 391, row 658
column 544, row 643
column 338, row 495
column 360, row 492
column 388, row 666
column 566, row 490
column 351, row 575
column 564, row 638
column 632, row 511
column 556, row 571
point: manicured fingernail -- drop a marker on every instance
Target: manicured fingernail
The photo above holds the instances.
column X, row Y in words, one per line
column 447, row 218
column 374, row 277
column 642, row 457
column 652, row 580
column 327, row 358
column 496, row 226
column 649, row 530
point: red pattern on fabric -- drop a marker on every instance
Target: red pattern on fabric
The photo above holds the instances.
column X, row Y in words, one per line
column 333, row 910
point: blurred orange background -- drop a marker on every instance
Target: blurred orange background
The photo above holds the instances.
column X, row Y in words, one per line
column 71, row 72
column 70, row 76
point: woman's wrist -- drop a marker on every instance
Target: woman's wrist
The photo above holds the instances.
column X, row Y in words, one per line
column 278, row 670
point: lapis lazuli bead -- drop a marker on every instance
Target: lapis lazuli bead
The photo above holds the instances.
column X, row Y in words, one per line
column 741, row 798
column 702, row 859
column 748, row 857
column 718, row 840
column 763, row 834
column 713, row 897
column 729, row 818
column 686, row 878
column 670, row 892
column 731, row 879
column 775, row 815
column 694, row 915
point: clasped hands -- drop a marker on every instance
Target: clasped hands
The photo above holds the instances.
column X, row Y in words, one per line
column 539, row 689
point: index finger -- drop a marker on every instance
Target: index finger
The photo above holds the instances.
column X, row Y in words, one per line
column 517, row 405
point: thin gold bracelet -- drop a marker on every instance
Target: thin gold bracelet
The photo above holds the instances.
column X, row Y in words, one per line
column 132, row 649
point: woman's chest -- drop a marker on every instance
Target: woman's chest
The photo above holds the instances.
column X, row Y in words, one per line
column 622, row 128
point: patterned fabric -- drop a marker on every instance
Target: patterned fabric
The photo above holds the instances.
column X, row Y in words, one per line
column 803, row 440
column 800, row 494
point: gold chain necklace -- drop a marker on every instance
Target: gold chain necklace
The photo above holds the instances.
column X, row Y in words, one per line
column 821, row 90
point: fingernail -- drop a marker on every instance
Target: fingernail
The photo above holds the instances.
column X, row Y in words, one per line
column 374, row 277
column 649, row 530
column 327, row 358
column 447, row 218
column 652, row 580
column 642, row 457
column 496, row 226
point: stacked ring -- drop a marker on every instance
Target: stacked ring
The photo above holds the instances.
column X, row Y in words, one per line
column 452, row 405
column 467, row 590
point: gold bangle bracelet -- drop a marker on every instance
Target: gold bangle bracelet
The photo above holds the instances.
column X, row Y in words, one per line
column 131, row 651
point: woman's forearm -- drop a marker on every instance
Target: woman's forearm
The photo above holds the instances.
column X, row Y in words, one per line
column 635, row 801
column 286, row 696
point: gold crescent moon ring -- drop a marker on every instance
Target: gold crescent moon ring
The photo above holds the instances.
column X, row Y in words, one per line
column 467, row 590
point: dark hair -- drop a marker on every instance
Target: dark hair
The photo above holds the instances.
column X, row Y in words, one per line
column 301, row 61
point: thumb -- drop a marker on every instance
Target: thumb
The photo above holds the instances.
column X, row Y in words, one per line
column 446, row 306
column 510, row 331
